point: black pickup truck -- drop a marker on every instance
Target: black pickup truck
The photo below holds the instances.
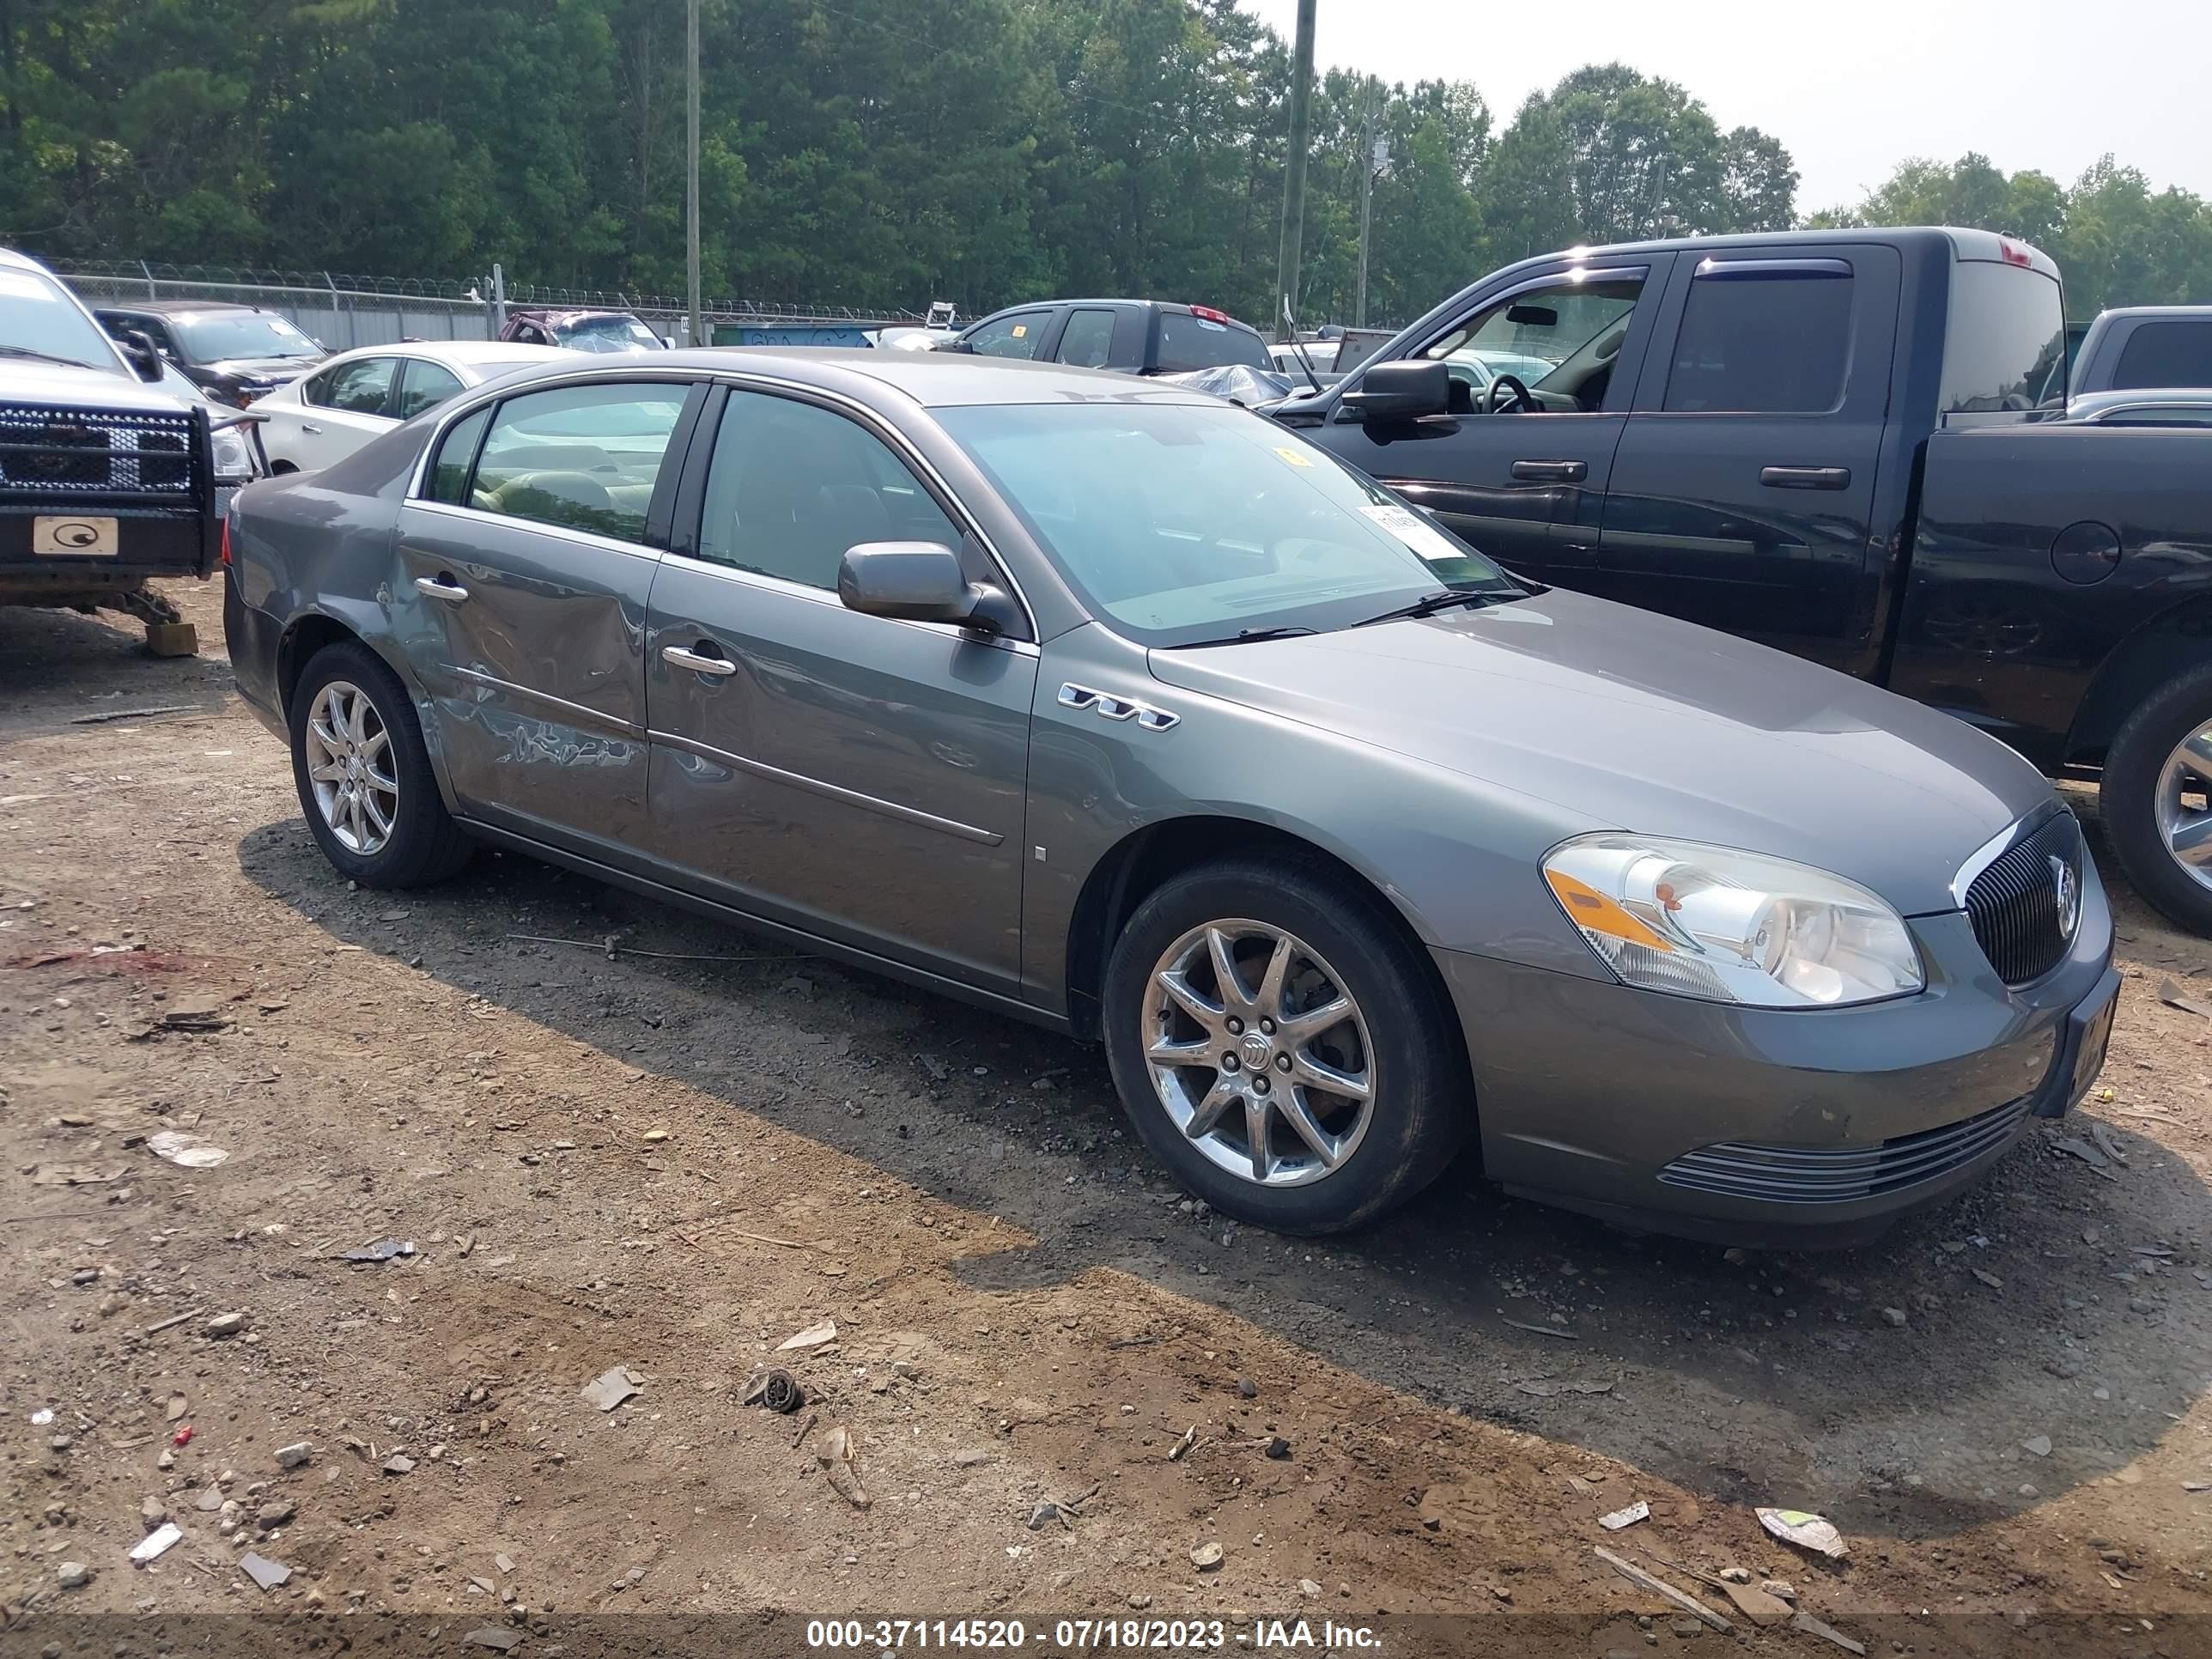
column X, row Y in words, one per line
column 1831, row 441
column 2141, row 347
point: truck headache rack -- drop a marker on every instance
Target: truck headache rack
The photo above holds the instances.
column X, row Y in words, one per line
column 136, row 463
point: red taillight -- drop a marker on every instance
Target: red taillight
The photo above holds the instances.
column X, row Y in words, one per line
column 1211, row 314
column 225, row 557
column 2012, row 253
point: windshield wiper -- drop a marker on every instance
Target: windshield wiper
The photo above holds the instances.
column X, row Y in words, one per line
column 1428, row 604
column 1245, row 636
column 45, row 357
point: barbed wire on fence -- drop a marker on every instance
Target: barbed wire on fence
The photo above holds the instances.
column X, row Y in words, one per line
column 341, row 286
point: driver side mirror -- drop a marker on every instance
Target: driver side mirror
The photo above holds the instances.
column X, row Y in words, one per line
column 919, row 582
column 139, row 351
column 1402, row 391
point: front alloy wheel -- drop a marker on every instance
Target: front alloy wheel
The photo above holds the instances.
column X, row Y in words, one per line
column 1282, row 1044
column 1258, row 1053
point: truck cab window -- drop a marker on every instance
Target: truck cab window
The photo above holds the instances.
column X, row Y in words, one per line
column 1767, row 338
column 1559, row 340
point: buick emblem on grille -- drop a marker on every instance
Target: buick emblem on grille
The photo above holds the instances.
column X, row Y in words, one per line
column 2066, row 893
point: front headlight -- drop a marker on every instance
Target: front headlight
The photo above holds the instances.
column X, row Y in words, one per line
column 232, row 454
column 1726, row 925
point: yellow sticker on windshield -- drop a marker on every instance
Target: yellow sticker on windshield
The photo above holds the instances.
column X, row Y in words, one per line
column 1292, row 456
column 1020, row 329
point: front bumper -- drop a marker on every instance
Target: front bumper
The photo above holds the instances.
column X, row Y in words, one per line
column 1806, row 1128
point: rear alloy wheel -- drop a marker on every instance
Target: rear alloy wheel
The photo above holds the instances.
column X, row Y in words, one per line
column 363, row 774
column 2155, row 799
column 1280, row 1045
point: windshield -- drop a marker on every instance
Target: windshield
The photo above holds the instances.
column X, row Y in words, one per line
column 242, row 334
column 1192, row 524
column 607, row 334
column 38, row 318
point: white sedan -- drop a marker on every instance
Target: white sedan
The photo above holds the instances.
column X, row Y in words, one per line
column 358, row 395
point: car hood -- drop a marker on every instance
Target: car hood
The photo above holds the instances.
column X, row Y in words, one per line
column 25, row 380
column 1636, row 721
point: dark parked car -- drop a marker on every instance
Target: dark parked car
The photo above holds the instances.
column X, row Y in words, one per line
column 1134, row 337
column 580, row 329
column 233, row 353
column 1117, row 708
column 1830, row 442
column 112, row 474
column 2138, row 347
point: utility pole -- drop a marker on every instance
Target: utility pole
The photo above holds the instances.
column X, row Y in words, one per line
column 691, row 164
column 1294, row 168
column 1374, row 153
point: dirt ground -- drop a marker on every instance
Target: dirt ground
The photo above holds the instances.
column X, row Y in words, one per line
column 672, row 1164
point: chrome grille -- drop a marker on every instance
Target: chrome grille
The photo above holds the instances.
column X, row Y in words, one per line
column 1837, row 1174
column 69, row 450
column 2016, row 907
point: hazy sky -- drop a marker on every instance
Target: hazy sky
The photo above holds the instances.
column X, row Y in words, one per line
column 1849, row 89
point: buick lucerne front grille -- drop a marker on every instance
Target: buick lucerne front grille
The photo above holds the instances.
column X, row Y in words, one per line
column 2026, row 904
column 1837, row 1174
column 82, row 452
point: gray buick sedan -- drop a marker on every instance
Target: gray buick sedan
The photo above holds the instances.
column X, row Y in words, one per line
column 1120, row 709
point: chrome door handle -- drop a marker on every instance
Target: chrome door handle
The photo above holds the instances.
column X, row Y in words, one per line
column 309, row 426
column 441, row 588
column 677, row 656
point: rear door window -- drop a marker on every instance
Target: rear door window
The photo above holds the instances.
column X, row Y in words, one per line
column 583, row 456
column 2178, row 353
column 457, row 452
column 425, row 386
column 1763, row 337
column 361, row 388
column 1088, row 340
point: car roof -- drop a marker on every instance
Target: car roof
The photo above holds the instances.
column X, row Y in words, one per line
column 929, row 379
column 174, row 308
column 1186, row 307
column 460, row 351
column 2175, row 313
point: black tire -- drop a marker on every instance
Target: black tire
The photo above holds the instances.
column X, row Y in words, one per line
column 1422, row 1101
column 2128, row 797
column 425, row 845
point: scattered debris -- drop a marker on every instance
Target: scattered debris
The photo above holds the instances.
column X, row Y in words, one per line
column 833, row 1451
column 1780, row 1589
column 177, row 1407
column 183, row 1436
column 1987, row 1277
column 272, row 1516
column 2171, row 994
column 1734, row 1574
column 75, row 1175
column 2107, row 1143
column 290, row 1457
column 1543, row 1330
column 1308, row 1588
column 502, row 1562
column 106, row 715
column 1278, row 1448
column 775, row 1389
column 1682, row 1599
column 1806, row 1530
column 1894, row 1318
column 2037, row 1445
column 72, row 1574
column 1812, row 1626
column 1181, row 1449
column 2075, row 1146
column 1047, row 1512
column 188, row 1151
column 41, row 1416
column 611, row 1388
column 399, row 1463
column 492, row 1636
column 1639, row 1511
column 814, row 1336
column 973, row 1457
column 173, row 1320
column 383, row 1250
column 655, row 1134
column 1207, row 1558
column 1247, row 1388
column 263, row 1571
column 153, row 1543
column 1763, row 1609
column 230, row 1324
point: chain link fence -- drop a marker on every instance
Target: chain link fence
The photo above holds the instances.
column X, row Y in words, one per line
column 344, row 311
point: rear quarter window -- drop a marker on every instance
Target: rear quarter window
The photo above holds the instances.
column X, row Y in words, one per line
column 2005, row 335
column 2178, row 353
column 1188, row 342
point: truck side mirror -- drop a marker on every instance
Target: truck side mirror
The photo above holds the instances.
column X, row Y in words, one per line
column 139, row 351
column 1405, row 390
